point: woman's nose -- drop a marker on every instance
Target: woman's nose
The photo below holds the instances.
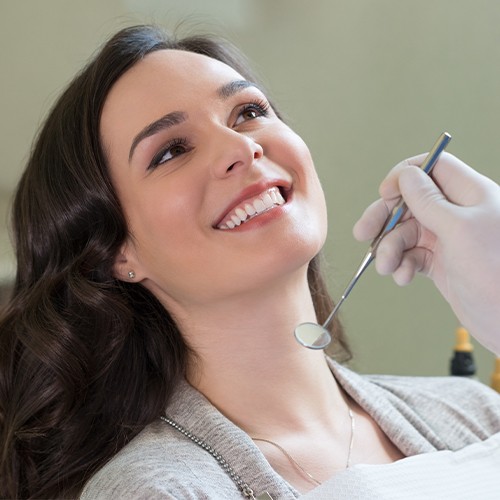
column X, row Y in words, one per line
column 233, row 151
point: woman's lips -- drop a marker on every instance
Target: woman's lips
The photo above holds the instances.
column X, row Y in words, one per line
column 251, row 208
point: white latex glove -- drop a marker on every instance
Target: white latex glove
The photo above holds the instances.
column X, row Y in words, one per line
column 451, row 233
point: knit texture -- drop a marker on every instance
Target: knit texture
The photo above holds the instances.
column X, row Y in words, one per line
column 419, row 414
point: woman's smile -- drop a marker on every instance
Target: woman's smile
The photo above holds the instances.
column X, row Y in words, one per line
column 251, row 207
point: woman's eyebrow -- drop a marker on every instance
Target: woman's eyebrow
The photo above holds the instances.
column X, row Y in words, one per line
column 165, row 122
column 229, row 89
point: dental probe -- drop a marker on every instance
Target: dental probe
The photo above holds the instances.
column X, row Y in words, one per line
column 316, row 336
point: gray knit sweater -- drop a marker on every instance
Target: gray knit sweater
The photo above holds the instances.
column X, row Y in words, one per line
column 419, row 414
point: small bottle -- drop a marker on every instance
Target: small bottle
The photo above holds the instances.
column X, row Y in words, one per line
column 462, row 362
column 495, row 376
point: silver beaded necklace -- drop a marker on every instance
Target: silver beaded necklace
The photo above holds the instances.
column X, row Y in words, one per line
column 246, row 491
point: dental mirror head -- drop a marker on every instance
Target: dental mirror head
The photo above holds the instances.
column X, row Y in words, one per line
column 312, row 335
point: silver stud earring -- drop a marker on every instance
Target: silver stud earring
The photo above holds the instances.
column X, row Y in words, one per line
column 131, row 275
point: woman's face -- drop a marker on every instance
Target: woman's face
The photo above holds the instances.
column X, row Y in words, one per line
column 220, row 196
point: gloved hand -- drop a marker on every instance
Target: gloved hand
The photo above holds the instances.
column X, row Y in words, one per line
column 451, row 233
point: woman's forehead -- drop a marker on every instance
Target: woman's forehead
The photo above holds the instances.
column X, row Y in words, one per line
column 176, row 70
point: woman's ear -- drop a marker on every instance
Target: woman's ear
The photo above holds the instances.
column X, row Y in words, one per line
column 126, row 266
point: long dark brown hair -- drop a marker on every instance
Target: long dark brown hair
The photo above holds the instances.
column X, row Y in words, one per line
column 86, row 361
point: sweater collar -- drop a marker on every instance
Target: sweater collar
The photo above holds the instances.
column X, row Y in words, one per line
column 190, row 409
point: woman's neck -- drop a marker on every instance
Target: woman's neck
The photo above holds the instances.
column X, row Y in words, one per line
column 250, row 367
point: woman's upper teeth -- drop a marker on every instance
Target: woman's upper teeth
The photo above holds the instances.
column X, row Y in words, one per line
column 251, row 208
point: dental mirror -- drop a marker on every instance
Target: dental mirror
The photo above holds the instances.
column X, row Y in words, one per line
column 316, row 336
column 312, row 335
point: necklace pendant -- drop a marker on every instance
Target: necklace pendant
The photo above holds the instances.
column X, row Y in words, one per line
column 264, row 496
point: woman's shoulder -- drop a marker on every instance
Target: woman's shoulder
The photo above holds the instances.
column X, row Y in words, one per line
column 429, row 413
column 459, row 409
column 159, row 463
column 461, row 392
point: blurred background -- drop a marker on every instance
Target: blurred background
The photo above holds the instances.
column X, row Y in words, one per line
column 367, row 83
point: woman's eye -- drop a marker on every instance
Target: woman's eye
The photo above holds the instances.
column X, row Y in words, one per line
column 252, row 111
column 175, row 148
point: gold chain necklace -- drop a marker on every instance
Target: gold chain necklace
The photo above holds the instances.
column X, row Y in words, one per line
column 299, row 467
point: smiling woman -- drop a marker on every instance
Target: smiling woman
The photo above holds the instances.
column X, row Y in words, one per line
column 89, row 354
column 168, row 230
